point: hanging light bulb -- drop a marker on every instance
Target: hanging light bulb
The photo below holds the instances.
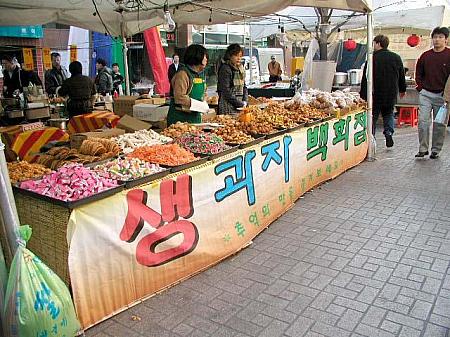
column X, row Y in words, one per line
column 169, row 25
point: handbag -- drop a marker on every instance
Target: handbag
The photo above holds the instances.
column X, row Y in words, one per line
column 441, row 116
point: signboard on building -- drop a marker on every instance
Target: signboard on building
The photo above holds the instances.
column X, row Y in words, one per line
column 73, row 53
column 46, row 58
column 28, row 62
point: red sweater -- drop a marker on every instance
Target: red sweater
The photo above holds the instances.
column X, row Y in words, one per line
column 432, row 70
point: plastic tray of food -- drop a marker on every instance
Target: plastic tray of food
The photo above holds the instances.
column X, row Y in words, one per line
column 144, row 180
column 277, row 133
column 298, row 127
column 179, row 168
column 314, row 121
column 72, row 204
column 328, row 118
column 232, row 149
column 258, row 139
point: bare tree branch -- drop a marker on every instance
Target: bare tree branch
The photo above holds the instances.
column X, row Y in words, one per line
column 343, row 22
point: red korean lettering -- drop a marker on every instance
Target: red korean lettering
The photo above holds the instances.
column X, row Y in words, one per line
column 176, row 198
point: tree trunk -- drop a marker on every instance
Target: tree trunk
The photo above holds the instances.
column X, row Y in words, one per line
column 323, row 46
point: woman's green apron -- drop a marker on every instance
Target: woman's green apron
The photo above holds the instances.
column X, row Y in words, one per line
column 197, row 92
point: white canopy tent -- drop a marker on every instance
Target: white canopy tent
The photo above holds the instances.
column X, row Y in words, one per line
column 127, row 17
column 424, row 19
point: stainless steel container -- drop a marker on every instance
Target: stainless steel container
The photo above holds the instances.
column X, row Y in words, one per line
column 15, row 114
column 60, row 123
column 354, row 76
column 340, row 78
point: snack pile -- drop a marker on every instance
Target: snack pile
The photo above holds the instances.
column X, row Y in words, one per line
column 70, row 183
column 202, row 143
column 167, row 154
column 178, row 129
column 22, row 170
column 130, row 141
column 128, row 169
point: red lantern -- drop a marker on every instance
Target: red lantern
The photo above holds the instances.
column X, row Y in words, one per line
column 413, row 40
column 350, row 44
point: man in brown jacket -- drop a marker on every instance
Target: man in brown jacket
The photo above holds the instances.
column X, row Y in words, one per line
column 274, row 70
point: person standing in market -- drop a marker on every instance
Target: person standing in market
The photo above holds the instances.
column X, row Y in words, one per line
column 432, row 72
column 117, row 79
column 103, row 80
column 80, row 89
column 15, row 78
column 388, row 82
column 187, row 104
column 173, row 69
column 55, row 77
column 274, row 70
column 231, row 81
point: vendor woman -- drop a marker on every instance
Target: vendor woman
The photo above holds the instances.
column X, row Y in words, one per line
column 80, row 89
column 231, row 85
column 189, row 88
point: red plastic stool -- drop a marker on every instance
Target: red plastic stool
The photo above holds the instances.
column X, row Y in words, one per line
column 408, row 115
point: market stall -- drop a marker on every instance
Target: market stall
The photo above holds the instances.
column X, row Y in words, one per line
column 140, row 222
column 131, row 233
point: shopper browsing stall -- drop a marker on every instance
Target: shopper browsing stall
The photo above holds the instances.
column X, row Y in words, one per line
column 15, row 78
column 117, row 79
column 104, row 79
column 55, row 77
column 80, row 89
column 231, row 81
column 274, row 68
column 189, row 88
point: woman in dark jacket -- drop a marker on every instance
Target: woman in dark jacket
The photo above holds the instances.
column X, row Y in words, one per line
column 80, row 89
column 231, row 81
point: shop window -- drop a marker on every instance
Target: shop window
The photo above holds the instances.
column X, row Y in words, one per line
column 216, row 39
column 198, row 38
column 235, row 39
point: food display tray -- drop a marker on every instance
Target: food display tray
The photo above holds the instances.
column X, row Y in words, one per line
column 314, row 122
column 276, row 133
column 298, row 127
column 144, row 180
column 258, row 139
column 179, row 168
column 71, row 204
column 224, row 153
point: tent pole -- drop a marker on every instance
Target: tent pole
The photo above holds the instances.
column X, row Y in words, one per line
column 370, row 136
column 8, row 209
column 125, row 58
column 251, row 53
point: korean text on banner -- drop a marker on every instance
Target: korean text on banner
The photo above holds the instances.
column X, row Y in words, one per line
column 28, row 62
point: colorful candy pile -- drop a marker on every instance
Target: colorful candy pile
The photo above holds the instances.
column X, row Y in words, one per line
column 202, row 143
column 130, row 141
column 169, row 154
column 128, row 168
column 71, row 182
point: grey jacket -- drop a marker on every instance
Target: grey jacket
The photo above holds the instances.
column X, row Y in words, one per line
column 104, row 81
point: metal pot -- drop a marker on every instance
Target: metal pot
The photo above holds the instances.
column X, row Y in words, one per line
column 354, row 76
column 340, row 78
column 60, row 123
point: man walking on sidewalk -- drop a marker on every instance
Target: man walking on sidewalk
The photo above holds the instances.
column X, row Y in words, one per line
column 432, row 71
column 388, row 81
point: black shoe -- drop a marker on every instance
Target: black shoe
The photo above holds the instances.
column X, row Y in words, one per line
column 389, row 141
column 421, row 154
column 434, row 155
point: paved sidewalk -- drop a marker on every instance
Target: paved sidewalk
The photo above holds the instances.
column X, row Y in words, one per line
column 366, row 254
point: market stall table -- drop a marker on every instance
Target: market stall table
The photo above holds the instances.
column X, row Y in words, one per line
column 114, row 261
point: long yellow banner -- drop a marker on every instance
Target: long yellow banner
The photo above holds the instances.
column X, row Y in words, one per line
column 131, row 245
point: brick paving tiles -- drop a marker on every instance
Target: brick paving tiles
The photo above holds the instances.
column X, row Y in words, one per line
column 366, row 254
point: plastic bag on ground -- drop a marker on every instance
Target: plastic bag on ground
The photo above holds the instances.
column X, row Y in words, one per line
column 37, row 302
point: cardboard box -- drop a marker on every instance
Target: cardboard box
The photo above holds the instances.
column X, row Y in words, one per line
column 158, row 100
column 123, row 105
column 77, row 138
column 131, row 124
column 150, row 112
